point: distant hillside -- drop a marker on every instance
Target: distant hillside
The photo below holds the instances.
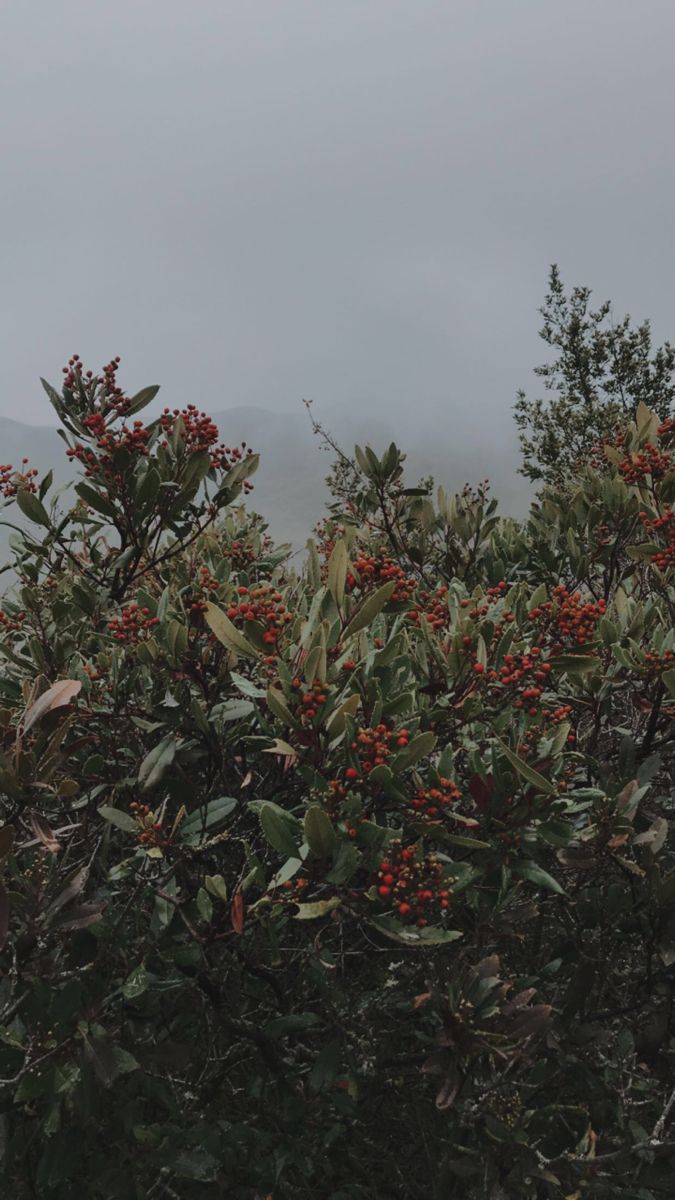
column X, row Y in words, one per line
column 290, row 486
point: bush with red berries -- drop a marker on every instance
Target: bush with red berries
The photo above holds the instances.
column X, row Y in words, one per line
column 354, row 880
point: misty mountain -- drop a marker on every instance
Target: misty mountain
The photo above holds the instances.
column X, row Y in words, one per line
column 289, row 487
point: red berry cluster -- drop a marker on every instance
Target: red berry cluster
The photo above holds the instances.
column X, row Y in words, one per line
column 667, row 430
column 648, row 462
column 662, row 527
column 430, row 802
column 204, row 584
column 312, row 701
column 133, row 626
column 414, row 886
column 374, row 747
column 374, row 570
column 434, row 607
column 150, row 831
column 11, row 481
column 265, row 605
column 108, row 441
column 201, row 433
column 568, row 617
column 656, row 663
column 241, row 554
column 13, row 622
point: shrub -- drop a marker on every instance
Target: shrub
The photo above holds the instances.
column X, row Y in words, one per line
column 353, row 881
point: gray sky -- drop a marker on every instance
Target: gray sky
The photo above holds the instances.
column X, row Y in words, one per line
column 261, row 201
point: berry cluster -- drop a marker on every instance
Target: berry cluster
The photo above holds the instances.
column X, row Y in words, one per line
column 133, row 626
column 11, row 481
column 13, row 622
column 205, row 584
column 434, row 607
column 201, row 433
column 569, row 618
column 656, row 663
column 104, row 388
column 108, row 441
column 414, row 886
column 374, row 747
column 647, row 463
column 663, row 527
column 430, row 802
column 266, row 606
column 373, row 570
column 311, row 702
column 241, row 554
column 150, row 831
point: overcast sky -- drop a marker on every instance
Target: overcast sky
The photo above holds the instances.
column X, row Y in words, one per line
column 351, row 200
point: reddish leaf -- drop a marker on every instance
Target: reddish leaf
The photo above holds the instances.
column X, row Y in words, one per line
column 237, row 913
column 481, row 791
column 43, row 832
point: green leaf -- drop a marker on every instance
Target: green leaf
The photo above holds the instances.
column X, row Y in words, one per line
column 142, row 398
column 371, row 607
column 215, row 812
column 117, row 817
column 668, row 678
column 93, row 498
column 576, row 664
column 280, row 829
column 536, row 874
column 32, row 508
column 136, row 983
column 418, row 748
column 406, row 936
column 277, row 703
column 319, row 832
column 337, row 571
column 309, row 912
column 526, row 771
column 156, row 763
column 291, row 1023
column 227, row 633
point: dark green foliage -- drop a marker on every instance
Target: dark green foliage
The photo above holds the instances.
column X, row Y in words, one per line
column 601, row 371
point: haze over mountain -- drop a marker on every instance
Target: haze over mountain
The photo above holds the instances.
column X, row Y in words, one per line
column 289, row 487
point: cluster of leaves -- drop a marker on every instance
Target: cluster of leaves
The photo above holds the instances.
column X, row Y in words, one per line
column 355, row 881
column 601, row 371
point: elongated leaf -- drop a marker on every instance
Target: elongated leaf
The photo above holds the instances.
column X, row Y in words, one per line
column 337, row 571
column 119, row 818
column 576, row 664
column 71, row 890
column 406, row 936
column 526, row 771
column 91, row 497
column 55, row 697
column 32, row 508
column 277, row 704
column 536, row 874
column 237, row 912
column 6, row 840
column 280, row 829
column 319, row 908
column 227, row 633
column 215, row 812
column 371, row 607
column 319, row 833
column 142, row 398
column 156, row 763
column 418, row 748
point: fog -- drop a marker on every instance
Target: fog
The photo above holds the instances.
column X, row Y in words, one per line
column 353, row 202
